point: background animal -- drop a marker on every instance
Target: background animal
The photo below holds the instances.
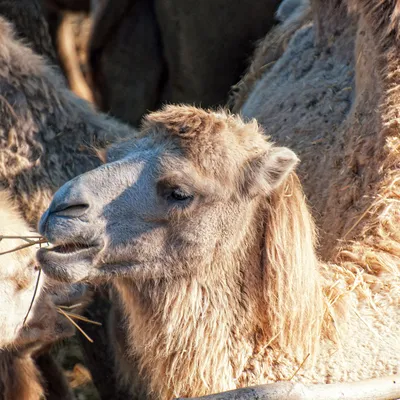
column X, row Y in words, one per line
column 341, row 123
column 143, row 54
column 48, row 133
column 333, row 98
column 202, row 229
column 29, row 322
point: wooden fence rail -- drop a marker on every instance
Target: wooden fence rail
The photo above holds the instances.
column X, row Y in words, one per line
column 387, row 388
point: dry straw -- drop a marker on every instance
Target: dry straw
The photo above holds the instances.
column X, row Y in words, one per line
column 31, row 241
column 72, row 316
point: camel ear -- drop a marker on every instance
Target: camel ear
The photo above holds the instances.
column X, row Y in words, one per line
column 267, row 171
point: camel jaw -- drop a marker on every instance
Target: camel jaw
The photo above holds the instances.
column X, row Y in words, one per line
column 68, row 262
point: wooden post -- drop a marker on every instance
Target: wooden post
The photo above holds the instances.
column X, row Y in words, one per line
column 387, row 388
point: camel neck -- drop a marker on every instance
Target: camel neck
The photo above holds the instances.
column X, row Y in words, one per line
column 196, row 330
column 182, row 329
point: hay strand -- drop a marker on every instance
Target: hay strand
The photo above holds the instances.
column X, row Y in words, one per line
column 358, row 221
column 66, row 315
column 33, row 297
column 40, row 240
column 84, row 319
column 73, row 306
column 300, row 366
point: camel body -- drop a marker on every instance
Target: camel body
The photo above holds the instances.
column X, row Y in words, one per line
column 340, row 122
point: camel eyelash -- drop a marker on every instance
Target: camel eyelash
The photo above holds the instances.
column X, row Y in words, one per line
column 176, row 196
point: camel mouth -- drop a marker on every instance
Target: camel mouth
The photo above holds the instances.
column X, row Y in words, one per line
column 70, row 248
column 68, row 262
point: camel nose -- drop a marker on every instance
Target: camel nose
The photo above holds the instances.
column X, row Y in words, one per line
column 72, row 210
column 69, row 202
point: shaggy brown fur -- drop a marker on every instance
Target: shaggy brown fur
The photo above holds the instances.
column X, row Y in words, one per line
column 333, row 97
column 375, row 244
column 47, row 132
column 19, row 377
column 292, row 321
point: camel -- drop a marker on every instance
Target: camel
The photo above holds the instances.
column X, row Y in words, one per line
column 201, row 226
column 29, row 321
column 143, row 54
column 375, row 257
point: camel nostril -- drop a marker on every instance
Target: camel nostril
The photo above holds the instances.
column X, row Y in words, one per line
column 70, row 210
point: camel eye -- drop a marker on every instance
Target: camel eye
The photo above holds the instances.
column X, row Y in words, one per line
column 175, row 194
column 179, row 195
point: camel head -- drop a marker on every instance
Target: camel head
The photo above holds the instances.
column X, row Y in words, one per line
column 166, row 203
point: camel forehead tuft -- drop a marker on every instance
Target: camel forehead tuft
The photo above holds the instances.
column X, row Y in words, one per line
column 186, row 122
column 215, row 141
column 205, row 131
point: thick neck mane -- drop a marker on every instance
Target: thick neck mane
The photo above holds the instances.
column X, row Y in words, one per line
column 217, row 331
